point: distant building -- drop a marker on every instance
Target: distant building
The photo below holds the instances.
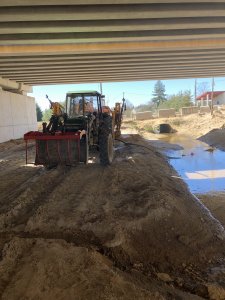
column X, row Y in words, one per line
column 206, row 98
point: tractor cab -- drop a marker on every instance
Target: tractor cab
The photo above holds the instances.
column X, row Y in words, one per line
column 83, row 103
column 83, row 108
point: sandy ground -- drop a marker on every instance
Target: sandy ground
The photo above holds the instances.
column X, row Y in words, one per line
column 196, row 125
column 128, row 231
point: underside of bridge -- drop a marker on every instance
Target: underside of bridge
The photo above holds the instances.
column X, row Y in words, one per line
column 74, row 41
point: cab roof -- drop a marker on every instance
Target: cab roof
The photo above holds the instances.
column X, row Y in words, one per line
column 85, row 92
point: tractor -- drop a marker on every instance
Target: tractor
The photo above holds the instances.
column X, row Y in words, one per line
column 73, row 131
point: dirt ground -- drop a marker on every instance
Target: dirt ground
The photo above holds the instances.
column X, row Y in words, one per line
column 215, row 202
column 128, row 231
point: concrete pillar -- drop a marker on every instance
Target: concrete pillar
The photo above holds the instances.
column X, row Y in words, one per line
column 17, row 115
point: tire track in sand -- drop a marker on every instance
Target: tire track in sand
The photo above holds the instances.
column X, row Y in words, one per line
column 34, row 192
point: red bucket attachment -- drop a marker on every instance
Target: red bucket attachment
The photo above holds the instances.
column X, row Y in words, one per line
column 51, row 150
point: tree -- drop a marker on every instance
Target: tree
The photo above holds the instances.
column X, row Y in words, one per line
column 159, row 93
column 38, row 113
column 202, row 88
column 181, row 99
column 47, row 113
column 145, row 107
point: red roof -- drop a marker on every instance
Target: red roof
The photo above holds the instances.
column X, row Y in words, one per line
column 215, row 94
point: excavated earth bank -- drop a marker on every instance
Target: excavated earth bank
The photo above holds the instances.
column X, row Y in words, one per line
column 215, row 137
column 128, row 231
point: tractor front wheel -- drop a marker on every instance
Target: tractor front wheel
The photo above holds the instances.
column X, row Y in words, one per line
column 106, row 148
column 84, row 150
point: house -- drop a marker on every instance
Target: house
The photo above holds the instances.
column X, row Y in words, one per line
column 206, row 98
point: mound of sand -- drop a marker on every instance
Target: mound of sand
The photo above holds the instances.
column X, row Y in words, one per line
column 215, row 137
column 128, row 231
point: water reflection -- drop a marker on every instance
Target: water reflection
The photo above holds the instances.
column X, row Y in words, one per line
column 202, row 170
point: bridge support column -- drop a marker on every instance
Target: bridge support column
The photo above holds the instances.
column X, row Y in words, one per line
column 17, row 111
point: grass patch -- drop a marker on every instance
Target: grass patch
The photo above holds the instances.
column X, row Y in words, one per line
column 133, row 124
column 177, row 122
column 148, row 128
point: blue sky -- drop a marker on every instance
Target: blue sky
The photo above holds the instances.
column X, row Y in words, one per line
column 137, row 92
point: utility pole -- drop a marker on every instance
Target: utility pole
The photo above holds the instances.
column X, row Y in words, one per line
column 101, row 88
column 212, row 95
column 195, row 91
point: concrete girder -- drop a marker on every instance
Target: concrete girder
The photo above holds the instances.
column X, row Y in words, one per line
column 124, row 73
column 100, row 62
column 126, row 76
column 115, row 37
column 89, row 48
column 59, row 66
column 114, row 73
column 140, row 77
column 6, row 3
column 120, row 79
column 180, row 54
column 111, row 12
column 95, row 74
column 108, row 54
column 112, row 26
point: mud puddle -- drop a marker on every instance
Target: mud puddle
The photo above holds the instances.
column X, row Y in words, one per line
column 199, row 165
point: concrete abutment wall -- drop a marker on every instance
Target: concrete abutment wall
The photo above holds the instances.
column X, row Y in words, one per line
column 184, row 111
column 17, row 115
column 146, row 115
column 166, row 113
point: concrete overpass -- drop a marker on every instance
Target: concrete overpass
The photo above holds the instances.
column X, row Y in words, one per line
column 75, row 41
column 45, row 42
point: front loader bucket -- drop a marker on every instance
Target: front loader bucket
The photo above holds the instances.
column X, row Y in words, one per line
column 52, row 150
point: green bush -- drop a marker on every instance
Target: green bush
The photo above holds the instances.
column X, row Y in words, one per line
column 181, row 99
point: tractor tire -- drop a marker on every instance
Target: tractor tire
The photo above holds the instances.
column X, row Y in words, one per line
column 107, row 123
column 84, row 151
column 106, row 150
